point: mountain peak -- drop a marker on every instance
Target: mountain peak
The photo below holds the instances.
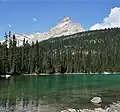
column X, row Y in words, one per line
column 65, row 27
column 66, row 19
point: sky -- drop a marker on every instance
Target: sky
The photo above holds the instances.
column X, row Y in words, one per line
column 30, row 16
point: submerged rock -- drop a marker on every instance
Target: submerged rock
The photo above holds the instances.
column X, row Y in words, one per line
column 72, row 110
column 86, row 110
column 96, row 100
column 64, row 111
column 99, row 110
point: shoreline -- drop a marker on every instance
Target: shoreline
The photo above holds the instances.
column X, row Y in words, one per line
column 105, row 73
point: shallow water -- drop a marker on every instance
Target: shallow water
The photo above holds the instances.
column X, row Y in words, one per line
column 57, row 92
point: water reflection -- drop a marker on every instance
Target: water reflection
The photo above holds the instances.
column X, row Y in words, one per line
column 54, row 93
column 28, row 106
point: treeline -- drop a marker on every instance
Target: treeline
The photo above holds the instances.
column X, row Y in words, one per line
column 90, row 51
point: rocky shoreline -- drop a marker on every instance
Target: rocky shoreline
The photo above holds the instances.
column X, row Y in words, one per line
column 31, row 107
column 115, row 107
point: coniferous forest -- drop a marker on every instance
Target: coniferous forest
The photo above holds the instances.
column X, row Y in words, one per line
column 85, row 52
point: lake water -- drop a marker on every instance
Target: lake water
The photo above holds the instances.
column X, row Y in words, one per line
column 57, row 92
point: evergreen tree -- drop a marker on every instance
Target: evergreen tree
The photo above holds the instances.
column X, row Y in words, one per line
column 90, row 51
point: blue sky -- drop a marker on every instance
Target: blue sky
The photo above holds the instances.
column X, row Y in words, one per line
column 17, row 15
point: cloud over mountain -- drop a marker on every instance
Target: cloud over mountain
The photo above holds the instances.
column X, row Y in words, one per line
column 9, row 25
column 112, row 20
column 34, row 19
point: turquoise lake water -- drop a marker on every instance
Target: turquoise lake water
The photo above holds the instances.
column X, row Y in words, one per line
column 59, row 91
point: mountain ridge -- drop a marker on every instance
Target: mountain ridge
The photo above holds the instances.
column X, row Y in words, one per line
column 65, row 27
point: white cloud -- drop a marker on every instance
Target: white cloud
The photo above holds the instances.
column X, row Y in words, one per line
column 34, row 19
column 112, row 20
column 9, row 25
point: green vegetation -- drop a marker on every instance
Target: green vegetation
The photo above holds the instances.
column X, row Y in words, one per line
column 90, row 51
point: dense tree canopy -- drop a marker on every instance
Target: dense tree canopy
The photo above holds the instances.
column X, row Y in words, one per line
column 86, row 52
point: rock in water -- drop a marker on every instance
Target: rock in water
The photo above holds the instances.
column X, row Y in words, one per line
column 7, row 76
column 72, row 110
column 96, row 100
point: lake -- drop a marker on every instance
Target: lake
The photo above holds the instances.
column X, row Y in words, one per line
column 57, row 92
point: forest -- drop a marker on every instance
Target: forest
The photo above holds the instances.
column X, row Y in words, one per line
column 85, row 52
